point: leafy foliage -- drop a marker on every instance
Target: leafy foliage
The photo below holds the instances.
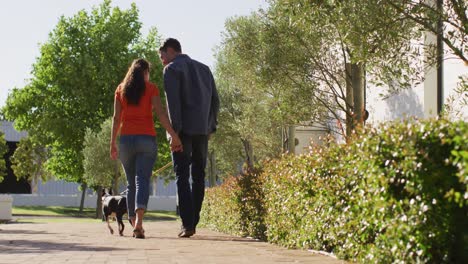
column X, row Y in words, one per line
column 3, row 152
column 237, row 206
column 99, row 169
column 452, row 14
column 74, row 79
column 398, row 193
column 28, row 161
column 287, row 65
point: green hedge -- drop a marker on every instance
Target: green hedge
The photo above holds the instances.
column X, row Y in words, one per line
column 398, row 193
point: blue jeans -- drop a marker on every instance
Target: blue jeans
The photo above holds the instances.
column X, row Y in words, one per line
column 192, row 161
column 138, row 154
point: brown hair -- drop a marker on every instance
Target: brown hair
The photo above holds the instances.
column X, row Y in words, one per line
column 133, row 85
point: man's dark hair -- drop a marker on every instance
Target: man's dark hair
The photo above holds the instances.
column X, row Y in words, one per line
column 171, row 43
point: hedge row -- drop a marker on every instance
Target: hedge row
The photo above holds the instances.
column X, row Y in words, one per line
column 397, row 194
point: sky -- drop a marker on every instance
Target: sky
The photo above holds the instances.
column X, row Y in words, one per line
column 24, row 24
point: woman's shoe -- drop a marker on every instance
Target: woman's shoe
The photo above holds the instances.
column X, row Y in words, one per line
column 139, row 233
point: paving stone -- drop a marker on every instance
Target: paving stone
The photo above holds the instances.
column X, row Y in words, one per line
column 68, row 242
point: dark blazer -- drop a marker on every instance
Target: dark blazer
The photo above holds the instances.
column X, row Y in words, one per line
column 192, row 98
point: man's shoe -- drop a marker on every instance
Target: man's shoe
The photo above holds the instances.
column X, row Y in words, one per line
column 186, row 233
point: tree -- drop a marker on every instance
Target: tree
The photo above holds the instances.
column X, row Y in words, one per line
column 74, row 79
column 300, row 62
column 3, row 152
column 28, row 161
column 447, row 19
column 255, row 109
column 100, row 171
column 374, row 40
column 99, row 168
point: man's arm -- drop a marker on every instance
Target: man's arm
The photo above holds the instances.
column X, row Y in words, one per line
column 174, row 104
column 176, row 144
column 214, row 106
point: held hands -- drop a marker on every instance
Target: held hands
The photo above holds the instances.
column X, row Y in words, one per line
column 176, row 144
column 113, row 151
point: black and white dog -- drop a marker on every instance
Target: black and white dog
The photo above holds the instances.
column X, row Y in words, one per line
column 115, row 206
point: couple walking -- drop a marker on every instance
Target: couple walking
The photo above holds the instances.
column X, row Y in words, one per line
column 192, row 109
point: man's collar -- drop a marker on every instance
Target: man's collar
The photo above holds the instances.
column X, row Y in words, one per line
column 181, row 56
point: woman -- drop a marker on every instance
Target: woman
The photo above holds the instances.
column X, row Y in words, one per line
column 135, row 100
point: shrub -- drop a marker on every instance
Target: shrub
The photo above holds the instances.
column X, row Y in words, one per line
column 236, row 207
column 397, row 193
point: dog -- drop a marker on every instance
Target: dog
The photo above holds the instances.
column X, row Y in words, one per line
column 114, row 206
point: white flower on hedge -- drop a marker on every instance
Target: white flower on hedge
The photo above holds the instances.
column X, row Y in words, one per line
column 425, row 208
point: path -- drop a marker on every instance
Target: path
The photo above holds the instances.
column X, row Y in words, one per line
column 90, row 242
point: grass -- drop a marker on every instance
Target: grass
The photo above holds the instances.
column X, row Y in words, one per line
column 54, row 211
column 47, row 219
column 61, row 213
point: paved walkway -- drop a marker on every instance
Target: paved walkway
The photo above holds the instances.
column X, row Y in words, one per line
column 91, row 242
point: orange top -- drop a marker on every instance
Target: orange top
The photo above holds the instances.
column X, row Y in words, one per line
column 137, row 119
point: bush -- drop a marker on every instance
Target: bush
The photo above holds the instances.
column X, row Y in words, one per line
column 236, row 207
column 398, row 193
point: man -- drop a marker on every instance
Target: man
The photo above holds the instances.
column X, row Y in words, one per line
column 193, row 105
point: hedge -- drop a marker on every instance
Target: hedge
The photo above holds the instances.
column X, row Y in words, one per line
column 396, row 194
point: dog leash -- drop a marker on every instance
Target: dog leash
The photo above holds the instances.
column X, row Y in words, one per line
column 155, row 174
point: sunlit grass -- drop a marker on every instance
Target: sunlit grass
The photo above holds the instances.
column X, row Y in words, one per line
column 53, row 211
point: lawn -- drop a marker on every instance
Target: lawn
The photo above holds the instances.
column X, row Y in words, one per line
column 61, row 213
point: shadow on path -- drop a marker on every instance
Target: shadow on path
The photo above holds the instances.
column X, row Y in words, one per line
column 34, row 247
column 26, row 232
column 212, row 238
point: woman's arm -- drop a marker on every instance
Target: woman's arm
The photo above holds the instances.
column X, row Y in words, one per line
column 176, row 144
column 115, row 128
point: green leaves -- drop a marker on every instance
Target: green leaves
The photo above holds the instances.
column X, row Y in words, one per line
column 74, row 80
column 99, row 169
column 397, row 193
column 3, row 152
column 28, row 161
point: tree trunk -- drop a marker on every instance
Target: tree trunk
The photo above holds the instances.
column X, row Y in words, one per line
column 33, row 183
column 292, row 140
column 349, row 100
column 440, row 58
column 83, row 194
column 357, row 78
column 248, row 154
column 99, row 202
column 212, row 169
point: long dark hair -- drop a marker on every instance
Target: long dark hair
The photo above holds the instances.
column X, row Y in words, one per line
column 133, row 85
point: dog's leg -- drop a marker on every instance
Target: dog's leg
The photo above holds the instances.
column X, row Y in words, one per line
column 121, row 224
column 108, row 225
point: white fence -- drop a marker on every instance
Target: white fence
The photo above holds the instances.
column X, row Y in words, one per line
column 61, row 193
column 166, row 203
column 59, row 188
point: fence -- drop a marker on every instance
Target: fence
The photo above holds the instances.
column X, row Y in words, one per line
column 61, row 193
